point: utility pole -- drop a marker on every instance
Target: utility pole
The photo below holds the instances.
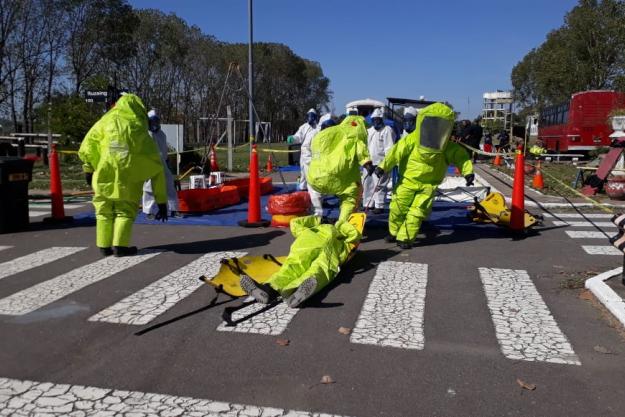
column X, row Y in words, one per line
column 250, row 73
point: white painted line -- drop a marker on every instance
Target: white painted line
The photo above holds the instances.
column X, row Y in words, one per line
column 582, row 234
column 38, row 213
column 33, row 260
column 601, row 250
column 30, row 398
column 583, row 224
column 392, row 314
column 610, row 299
column 524, row 326
column 145, row 305
column 37, row 296
column 578, row 215
column 271, row 322
column 5, row 247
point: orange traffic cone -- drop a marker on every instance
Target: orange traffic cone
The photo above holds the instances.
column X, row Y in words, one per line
column 56, row 190
column 253, row 211
column 269, row 167
column 213, row 160
column 537, row 181
column 497, row 161
column 517, row 217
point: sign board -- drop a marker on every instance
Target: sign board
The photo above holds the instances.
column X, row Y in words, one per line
column 96, row 96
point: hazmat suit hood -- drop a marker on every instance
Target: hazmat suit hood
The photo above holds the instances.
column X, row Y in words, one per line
column 121, row 153
column 434, row 126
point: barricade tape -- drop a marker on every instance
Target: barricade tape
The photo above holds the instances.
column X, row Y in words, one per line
column 481, row 152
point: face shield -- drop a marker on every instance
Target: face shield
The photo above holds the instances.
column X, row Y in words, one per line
column 154, row 124
column 410, row 123
column 434, row 132
column 311, row 118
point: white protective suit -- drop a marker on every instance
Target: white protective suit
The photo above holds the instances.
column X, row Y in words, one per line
column 149, row 203
column 379, row 143
column 304, row 135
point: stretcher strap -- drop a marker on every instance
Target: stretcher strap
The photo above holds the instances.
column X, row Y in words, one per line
column 272, row 258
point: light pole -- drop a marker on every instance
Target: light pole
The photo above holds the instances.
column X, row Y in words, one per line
column 250, row 73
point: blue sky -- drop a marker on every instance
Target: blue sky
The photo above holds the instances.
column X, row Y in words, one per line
column 452, row 50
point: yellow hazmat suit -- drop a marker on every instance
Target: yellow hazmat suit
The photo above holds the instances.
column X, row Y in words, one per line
column 121, row 155
column 423, row 157
column 318, row 251
column 337, row 154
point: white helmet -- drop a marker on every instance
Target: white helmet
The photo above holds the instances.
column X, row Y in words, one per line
column 410, row 111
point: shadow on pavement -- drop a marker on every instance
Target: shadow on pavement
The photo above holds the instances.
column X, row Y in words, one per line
column 232, row 243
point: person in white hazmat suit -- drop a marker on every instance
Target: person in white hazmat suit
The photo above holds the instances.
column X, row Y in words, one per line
column 410, row 120
column 149, row 203
column 304, row 135
column 316, row 198
column 380, row 138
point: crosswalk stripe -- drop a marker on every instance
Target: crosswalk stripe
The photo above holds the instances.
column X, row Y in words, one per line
column 145, row 305
column 524, row 326
column 271, row 322
column 582, row 234
column 578, row 215
column 35, row 259
column 583, row 224
column 601, row 250
column 19, row 397
column 39, row 295
column 392, row 313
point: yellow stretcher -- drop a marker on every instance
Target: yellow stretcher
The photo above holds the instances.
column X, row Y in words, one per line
column 259, row 268
column 493, row 210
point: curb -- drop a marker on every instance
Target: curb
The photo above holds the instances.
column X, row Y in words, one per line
column 606, row 295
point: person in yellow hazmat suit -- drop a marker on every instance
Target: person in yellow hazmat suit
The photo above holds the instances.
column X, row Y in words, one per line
column 423, row 157
column 118, row 156
column 337, row 153
column 313, row 262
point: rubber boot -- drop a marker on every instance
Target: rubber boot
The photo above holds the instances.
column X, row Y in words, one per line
column 404, row 245
column 120, row 251
column 262, row 293
column 390, row 239
column 302, row 293
column 106, row 251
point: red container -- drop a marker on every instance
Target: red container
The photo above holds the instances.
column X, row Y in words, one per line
column 243, row 186
column 615, row 188
column 207, row 199
column 287, row 204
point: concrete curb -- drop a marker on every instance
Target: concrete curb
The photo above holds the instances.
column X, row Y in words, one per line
column 610, row 299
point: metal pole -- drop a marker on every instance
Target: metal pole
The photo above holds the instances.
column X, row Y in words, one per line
column 229, row 130
column 250, row 73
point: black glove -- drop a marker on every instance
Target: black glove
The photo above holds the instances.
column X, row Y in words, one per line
column 379, row 172
column 162, row 212
column 369, row 167
column 88, row 178
column 469, row 179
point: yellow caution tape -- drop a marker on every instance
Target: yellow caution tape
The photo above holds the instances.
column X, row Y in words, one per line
column 481, row 152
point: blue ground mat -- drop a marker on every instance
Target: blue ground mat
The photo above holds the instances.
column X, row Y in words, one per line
column 444, row 215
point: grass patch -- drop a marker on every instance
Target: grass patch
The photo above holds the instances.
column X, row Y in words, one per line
column 73, row 177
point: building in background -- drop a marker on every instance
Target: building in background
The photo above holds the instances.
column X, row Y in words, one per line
column 497, row 110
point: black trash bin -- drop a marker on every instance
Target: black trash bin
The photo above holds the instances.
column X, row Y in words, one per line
column 15, row 174
column 294, row 156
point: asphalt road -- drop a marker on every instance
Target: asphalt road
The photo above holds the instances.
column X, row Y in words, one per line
column 439, row 340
